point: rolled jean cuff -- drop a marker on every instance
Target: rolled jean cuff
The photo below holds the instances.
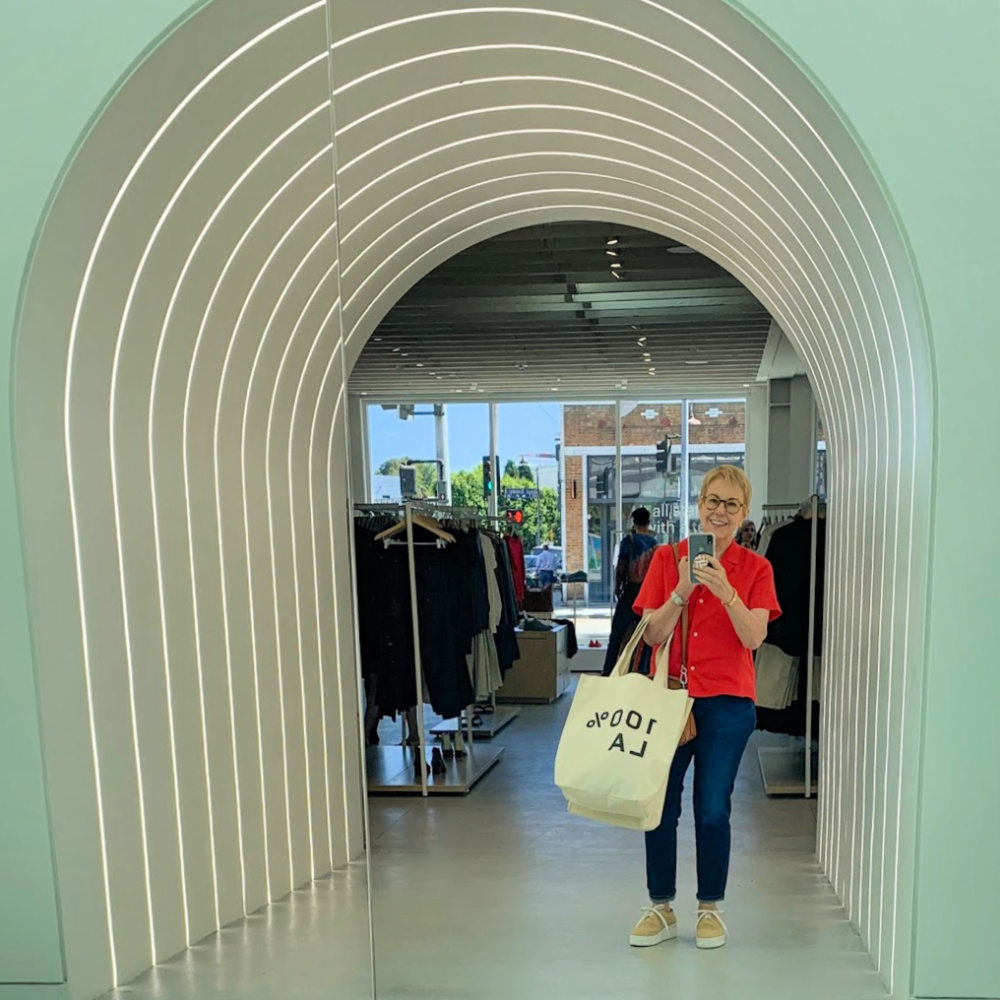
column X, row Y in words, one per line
column 661, row 902
column 711, row 899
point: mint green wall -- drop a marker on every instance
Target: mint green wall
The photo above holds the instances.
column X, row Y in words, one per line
column 59, row 61
column 920, row 83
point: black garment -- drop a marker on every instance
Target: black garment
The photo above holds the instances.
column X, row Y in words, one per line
column 789, row 552
column 572, row 646
column 447, row 607
column 623, row 624
column 450, row 607
column 384, row 618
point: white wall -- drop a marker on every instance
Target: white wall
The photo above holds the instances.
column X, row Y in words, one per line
column 182, row 430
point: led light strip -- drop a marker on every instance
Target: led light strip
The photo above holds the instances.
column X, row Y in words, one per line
column 836, row 435
column 202, row 236
column 210, row 308
column 270, row 511
column 873, row 529
column 126, row 315
column 802, row 117
column 71, row 483
column 246, row 507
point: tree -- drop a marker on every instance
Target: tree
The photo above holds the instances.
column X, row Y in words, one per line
column 542, row 519
column 510, row 469
column 467, row 490
column 390, row 467
column 524, row 472
column 426, row 475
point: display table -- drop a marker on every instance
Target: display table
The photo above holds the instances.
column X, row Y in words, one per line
column 542, row 674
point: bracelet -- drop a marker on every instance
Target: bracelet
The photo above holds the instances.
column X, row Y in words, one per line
column 732, row 600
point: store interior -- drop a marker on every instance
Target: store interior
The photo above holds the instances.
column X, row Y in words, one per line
column 468, row 834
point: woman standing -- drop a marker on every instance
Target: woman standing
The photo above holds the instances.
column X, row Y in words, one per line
column 635, row 555
column 729, row 610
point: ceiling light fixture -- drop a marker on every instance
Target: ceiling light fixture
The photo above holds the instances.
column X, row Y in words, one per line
column 617, row 274
column 616, row 264
column 611, row 253
column 613, row 242
column 642, row 341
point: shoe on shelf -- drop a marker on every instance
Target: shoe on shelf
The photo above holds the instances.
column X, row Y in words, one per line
column 438, row 765
column 446, row 746
column 710, row 931
column 658, row 923
column 460, row 745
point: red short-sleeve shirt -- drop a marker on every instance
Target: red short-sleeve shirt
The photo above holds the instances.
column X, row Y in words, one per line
column 718, row 663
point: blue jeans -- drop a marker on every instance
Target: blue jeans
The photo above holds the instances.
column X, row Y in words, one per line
column 546, row 577
column 725, row 724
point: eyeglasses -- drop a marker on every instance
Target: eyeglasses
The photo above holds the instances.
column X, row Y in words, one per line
column 714, row 502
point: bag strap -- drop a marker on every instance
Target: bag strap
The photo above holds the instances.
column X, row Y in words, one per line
column 685, row 620
column 624, row 664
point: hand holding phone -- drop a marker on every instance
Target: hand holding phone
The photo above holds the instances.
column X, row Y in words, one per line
column 701, row 547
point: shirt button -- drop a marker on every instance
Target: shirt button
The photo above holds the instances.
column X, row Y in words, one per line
column 696, row 635
column 702, row 601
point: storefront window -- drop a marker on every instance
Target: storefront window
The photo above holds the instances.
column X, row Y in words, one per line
column 716, row 436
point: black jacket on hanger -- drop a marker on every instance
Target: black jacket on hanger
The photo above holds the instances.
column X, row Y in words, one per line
column 789, row 553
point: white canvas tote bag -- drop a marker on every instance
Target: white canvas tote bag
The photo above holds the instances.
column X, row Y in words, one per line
column 618, row 743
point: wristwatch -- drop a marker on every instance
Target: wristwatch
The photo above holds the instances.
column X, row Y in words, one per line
column 678, row 600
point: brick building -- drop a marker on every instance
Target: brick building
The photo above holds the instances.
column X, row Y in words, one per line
column 716, row 434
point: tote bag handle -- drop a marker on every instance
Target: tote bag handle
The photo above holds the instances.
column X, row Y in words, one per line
column 625, row 657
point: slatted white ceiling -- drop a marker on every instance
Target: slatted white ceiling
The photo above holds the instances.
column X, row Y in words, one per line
column 539, row 311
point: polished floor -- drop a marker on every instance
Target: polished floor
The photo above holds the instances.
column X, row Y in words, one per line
column 502, row 895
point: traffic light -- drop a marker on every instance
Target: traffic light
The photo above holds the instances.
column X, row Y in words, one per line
column 489, row 484
column 408, row 481
column 515, row 517
column 663, row 455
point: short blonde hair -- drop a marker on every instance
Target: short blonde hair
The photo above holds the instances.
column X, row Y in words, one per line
column 731, row 475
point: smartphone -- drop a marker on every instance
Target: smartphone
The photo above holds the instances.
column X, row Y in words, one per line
column 699, row 545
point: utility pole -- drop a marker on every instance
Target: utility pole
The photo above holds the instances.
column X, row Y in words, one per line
column 441, row 438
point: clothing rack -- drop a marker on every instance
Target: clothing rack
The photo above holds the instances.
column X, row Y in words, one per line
column 774, row 760
column 473, row 766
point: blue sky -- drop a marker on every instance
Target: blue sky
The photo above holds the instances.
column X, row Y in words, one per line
column 523, row 428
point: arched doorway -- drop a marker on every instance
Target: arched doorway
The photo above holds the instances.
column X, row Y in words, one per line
column 212, row 265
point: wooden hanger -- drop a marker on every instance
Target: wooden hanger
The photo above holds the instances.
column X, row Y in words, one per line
column 419, row 521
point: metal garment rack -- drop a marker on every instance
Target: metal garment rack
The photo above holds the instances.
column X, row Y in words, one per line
column 472, row 769
column 774, row 761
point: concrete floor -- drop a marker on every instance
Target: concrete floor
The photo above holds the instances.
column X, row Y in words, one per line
column 502, row 894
